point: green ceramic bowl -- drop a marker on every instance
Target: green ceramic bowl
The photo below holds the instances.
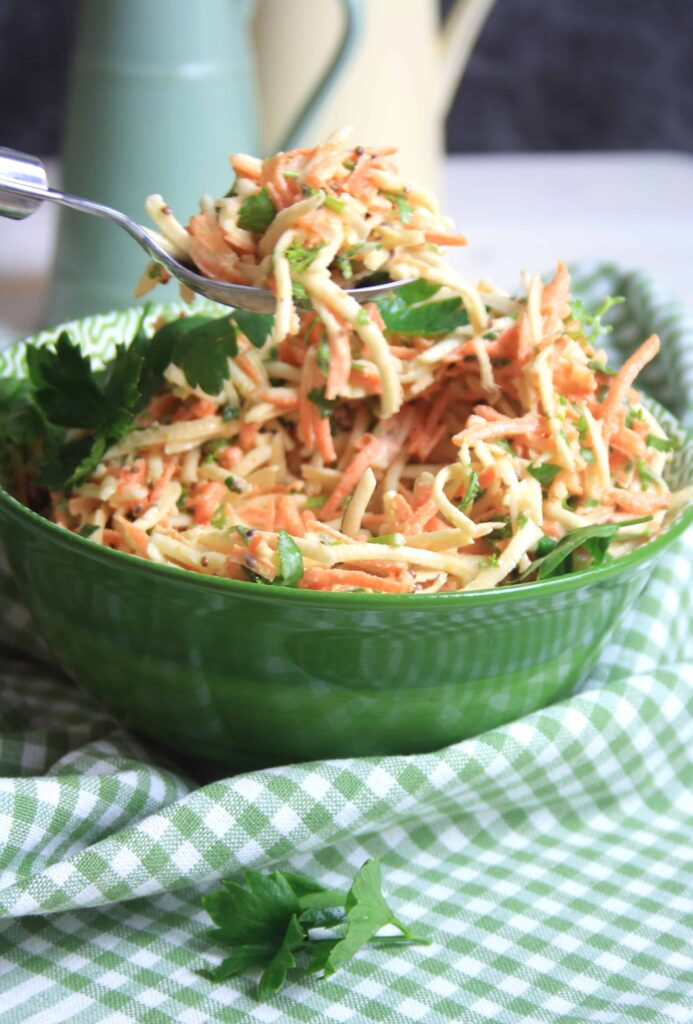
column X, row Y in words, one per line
column 243, row 676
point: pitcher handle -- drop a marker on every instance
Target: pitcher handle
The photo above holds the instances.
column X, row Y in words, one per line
column 353, row 26
column 457, row 38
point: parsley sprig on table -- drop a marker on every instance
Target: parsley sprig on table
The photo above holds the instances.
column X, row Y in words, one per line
column 276, row 918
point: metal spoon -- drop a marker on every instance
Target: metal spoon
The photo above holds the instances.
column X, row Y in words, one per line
column 24, row 186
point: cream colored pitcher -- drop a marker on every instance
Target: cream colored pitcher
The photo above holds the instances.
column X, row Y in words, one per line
column 397, row 89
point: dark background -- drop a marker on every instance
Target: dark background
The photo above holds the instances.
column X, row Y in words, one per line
column 546, row 75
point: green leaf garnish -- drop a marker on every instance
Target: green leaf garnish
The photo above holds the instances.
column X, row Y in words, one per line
column 300, row 257
column 203, row 354
column 315, row 501
column 271, row 920
column 257, row 327
column 408, row 312
column 290, row 560
column 404, row 209
column 544, row 546
column 257, row 212
column 646, row 476
column 274, row 975
column 585, row 536
column 344, row 267
column 218, row 520
column 601, row 368
column 662, row 444
column 87, row 530
column 471, row 492
column 545, row 473
column 322, row 355
column 325, row 406
column 591, row 324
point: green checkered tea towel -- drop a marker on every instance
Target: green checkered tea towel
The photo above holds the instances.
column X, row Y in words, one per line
column 547, row 859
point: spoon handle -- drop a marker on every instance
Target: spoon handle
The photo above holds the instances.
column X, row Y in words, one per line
column 24, row 186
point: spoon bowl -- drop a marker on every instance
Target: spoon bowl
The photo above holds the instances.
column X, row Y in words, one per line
column 24, row 186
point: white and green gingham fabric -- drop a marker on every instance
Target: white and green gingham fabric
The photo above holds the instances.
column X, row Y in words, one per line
column 549, row 860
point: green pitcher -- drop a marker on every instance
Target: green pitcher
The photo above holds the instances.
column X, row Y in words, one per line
column 162, row 92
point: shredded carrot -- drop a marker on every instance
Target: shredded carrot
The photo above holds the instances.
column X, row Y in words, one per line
column 370, row 450
column 206, row 500
column 157, row 490
column 554, row 298
column 527, row 425
column 639, row 503
column 328, row 579
column 611, row 407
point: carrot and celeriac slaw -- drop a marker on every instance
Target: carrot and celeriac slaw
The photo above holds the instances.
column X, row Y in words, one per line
column 450, row 437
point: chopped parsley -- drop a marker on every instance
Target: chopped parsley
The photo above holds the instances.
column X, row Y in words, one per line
column 300, row 257
column 471, row 492
column 218, row 520
column 325, row 406
column 290, row 560
column 404, row 208
column 545, row 473
column 257, row 212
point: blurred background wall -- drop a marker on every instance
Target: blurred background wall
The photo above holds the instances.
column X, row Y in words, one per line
column 545, row 75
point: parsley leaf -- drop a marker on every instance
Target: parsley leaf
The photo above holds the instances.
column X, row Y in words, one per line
column 274, row 975
column 245, row 958
column 545, row 473
column 256, row 326
column 203, row 353
column 417, row 291
column 270, row 919
column 367, row 913
column 67, row 463
column 255, row 913
column 20, row 420
column 67, row 393
column 66, row 390
column 407, row 312
column 159, row 352
column 290, row 560
column 257, row 212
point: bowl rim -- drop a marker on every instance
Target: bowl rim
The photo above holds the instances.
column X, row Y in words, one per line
column 219, row 584
column 503, row 594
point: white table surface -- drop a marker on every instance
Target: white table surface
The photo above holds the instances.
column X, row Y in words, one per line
column 518, row 212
